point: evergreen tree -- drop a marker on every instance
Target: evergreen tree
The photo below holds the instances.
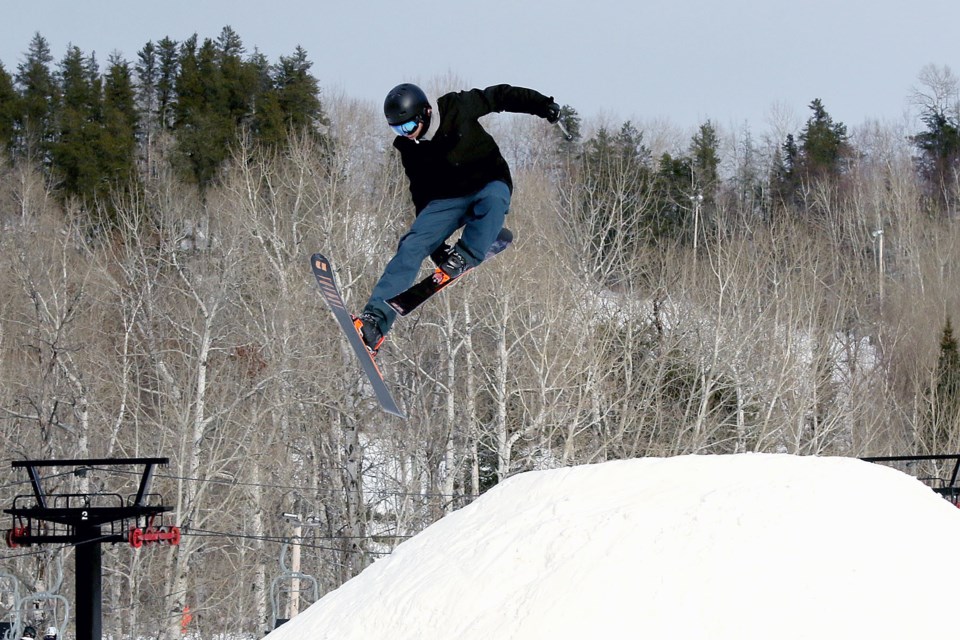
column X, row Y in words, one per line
column 238, row 79
column 784, row 180
column 824, row 145
column 676, row 194
column 95, row 145
column 39, row 98
column 615, row 185
column 791, row 155
column 74, row 151
column 148, row 77
column 822, row 154
column 944, row 423
column 188, row 87
column 168, row 61
column 203, row 124
column 630, row 147
column 211, row 91
column 572, row 123
column 299, row 91
column 261, row 70
column 84, row 125
column 704, row 175
column 289, row 102
column 599, row 172
column 749, row 186
column 939, row 159
column 705, row 160
column 119, row 124
column 9, row 108
column 269, row 124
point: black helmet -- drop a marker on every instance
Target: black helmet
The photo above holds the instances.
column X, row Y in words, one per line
column 404, row 103
column 29, row 632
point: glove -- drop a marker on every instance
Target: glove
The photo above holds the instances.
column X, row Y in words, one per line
column 552, row 112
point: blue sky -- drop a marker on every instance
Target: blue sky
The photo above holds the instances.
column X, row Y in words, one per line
column 732, row 61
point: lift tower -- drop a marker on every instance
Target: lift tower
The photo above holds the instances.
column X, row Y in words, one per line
column 87, row 520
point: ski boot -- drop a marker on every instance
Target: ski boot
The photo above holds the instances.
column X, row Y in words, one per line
column 440, row 254
column 368, row 327
column 452, row 266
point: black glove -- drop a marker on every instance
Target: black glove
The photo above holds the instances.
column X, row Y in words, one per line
column 552, row 112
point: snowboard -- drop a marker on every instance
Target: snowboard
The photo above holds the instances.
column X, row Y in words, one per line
column 437, row 281
column 331, row 294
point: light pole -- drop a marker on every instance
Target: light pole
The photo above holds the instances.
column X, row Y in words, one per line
column 877, row 236
column 696, row 200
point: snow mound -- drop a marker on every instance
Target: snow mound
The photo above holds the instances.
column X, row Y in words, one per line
column 743, row 546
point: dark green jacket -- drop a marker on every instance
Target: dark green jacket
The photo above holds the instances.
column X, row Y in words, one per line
column 460, row 158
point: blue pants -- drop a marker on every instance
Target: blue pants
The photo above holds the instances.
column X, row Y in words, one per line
column 481, row 215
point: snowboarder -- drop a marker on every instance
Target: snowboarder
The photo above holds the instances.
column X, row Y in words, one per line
column 52, row 633
column 458, row 178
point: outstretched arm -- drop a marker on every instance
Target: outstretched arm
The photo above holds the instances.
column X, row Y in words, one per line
column 504, row 97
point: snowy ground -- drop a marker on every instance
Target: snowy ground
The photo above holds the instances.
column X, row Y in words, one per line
column 747, row 546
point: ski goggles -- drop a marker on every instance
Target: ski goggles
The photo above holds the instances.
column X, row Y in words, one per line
column 406, row 128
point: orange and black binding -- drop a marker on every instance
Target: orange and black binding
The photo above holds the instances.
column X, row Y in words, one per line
column 444, row 275
column 366, row 326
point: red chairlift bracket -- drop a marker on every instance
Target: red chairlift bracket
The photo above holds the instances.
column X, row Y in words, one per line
column 15, row 535
column 139, row 537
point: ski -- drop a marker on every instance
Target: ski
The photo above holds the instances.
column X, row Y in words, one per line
column 437, row 281
column 331, row 294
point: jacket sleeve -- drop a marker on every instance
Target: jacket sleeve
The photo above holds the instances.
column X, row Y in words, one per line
column 504, row 97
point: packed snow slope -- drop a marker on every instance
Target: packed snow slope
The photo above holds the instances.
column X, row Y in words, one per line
column 744, row 546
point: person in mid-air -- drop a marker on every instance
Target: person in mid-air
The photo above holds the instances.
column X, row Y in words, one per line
column 458, row 178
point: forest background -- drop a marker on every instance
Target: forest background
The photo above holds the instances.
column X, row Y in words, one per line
column 668, row 293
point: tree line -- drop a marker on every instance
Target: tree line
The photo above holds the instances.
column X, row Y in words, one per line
column 94, row 131
column 665, row 295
